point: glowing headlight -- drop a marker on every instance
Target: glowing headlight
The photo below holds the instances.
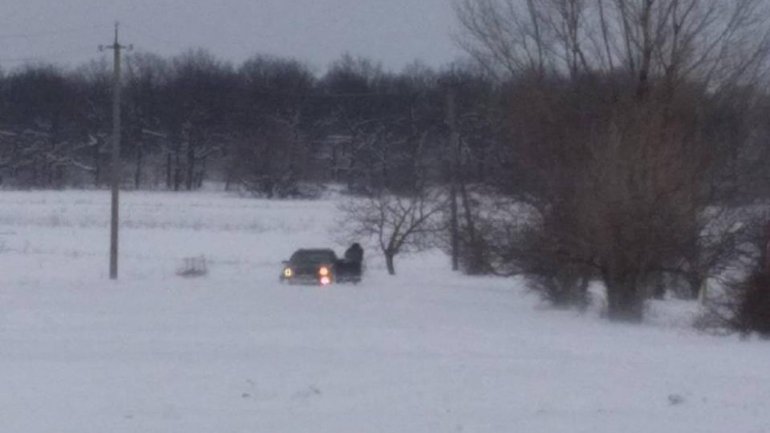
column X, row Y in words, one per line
column 325, row 281
column 288, row 273
column 324, row 271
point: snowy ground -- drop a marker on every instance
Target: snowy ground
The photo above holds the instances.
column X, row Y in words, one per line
column 235, row 351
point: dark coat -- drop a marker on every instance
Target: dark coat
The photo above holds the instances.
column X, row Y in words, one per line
column 355, row 253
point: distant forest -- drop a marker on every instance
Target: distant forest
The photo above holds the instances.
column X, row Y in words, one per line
column 272, row 127
column 268, row 126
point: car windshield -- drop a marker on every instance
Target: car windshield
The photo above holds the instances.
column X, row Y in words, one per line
column 313, row 256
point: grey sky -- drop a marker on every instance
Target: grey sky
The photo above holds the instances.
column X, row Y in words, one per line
column 393, row 32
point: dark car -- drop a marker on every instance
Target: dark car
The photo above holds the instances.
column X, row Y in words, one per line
column 310, row 266
column 319, row 266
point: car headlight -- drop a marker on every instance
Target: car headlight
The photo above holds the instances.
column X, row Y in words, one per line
column 324, row 271
column 288, row 273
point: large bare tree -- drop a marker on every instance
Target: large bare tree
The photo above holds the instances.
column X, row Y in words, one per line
column 619, row 120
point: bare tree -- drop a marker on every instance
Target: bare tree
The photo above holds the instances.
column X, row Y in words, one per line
column 614, row 143
column 504, row 36
column 737, row 299
column 398, row 223
column 714, row 40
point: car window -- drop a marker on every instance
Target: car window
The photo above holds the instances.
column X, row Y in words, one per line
column 313, row 257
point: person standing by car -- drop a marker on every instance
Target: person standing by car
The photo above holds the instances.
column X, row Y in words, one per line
column 355, row 253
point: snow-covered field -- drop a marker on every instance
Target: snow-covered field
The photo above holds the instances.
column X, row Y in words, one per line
column 235, row 351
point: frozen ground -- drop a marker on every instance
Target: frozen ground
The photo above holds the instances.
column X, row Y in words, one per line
column 235, row 351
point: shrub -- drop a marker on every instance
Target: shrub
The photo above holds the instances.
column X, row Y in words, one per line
column 753, row 309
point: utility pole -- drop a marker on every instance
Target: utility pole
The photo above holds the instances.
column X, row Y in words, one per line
column 454, row 140
column 115, row 165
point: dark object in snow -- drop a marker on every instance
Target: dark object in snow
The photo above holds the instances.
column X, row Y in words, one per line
column 753, row 310
column 319, row 266
column 675, row 399
column 193, row 267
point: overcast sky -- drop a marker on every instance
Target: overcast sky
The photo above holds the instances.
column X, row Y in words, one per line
column 393, row 32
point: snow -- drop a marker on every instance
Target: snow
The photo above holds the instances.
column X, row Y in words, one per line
column 235, row 351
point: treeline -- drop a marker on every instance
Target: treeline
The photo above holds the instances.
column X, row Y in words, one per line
column 269, row 125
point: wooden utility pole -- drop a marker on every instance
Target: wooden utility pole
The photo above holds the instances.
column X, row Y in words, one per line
column 454, row 140
column 115, row 165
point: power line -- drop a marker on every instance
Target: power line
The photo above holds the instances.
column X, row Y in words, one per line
column 48, row 34
column 148, row 33
column 57, row 32
column 57, row 55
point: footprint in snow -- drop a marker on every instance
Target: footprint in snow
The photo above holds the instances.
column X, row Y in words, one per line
column 306, row 394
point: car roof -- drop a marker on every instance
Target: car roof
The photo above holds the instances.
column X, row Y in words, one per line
column 315, row 254
column 315, row 250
